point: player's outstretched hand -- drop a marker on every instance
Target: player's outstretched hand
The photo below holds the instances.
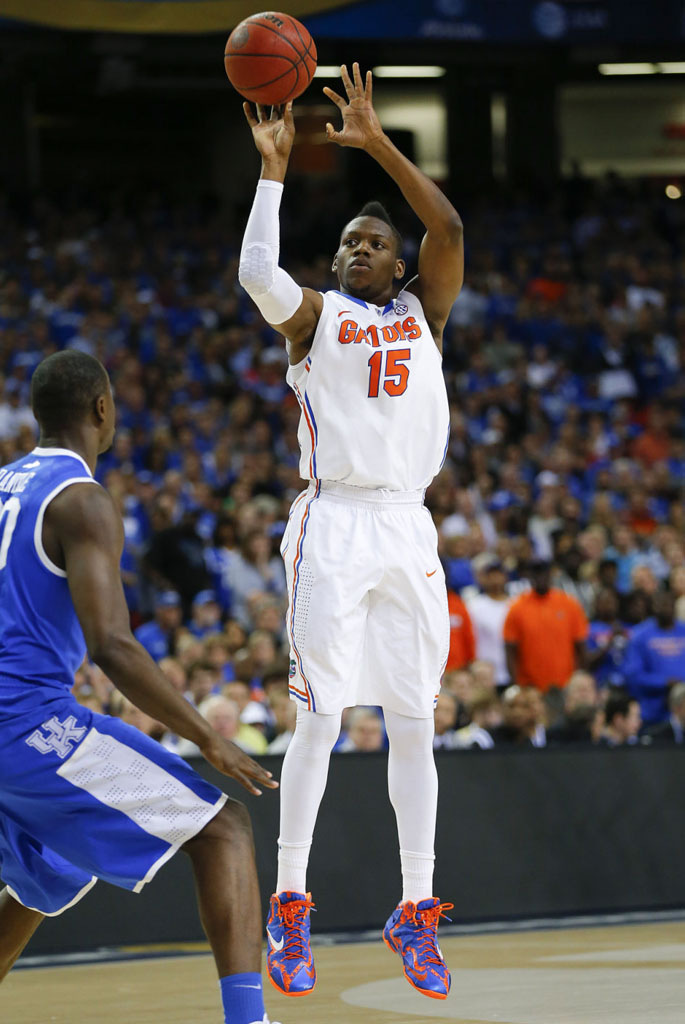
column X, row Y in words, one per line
column 361, row 126
column 226, row 757
column 273, row 133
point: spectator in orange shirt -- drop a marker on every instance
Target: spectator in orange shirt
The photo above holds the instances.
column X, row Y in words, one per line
column 654, row 445
column 462, row 641
column 544, row 633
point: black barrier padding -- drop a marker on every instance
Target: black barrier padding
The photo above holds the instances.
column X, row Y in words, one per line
column 520, row 834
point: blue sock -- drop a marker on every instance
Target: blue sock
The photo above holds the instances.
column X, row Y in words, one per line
column 243, row 999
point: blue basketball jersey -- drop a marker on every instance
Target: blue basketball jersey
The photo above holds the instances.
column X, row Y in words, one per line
column 41, row 640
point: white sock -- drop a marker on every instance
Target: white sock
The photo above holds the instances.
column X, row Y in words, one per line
column 292, row 867
column 413, row 789
column 303, row 781
column 417, row 876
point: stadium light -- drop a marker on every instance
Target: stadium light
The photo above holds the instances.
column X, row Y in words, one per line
column 408, row 71
column 673, row 192
column 628, row 69
column 327, row 71
column 664, row 67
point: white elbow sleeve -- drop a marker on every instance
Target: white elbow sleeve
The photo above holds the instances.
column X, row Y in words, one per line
column 273, row 291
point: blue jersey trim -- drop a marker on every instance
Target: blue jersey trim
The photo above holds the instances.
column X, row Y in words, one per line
column 316, row 433
column 352, row 298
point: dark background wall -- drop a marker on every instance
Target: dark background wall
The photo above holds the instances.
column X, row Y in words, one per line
column 520, row 834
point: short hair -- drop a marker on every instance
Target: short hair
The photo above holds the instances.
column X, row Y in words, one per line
column 200, row 666
column 64, row 388
column 361, row 713
column 216, row 701
column 618, row 704
column 377, row 210
column 483, row 700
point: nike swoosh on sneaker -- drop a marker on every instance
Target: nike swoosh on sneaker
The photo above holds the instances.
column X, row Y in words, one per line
column 276, row 946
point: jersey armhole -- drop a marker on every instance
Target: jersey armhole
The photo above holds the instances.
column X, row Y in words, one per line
column 46, row 562
column 319, row 328
column 297, row 372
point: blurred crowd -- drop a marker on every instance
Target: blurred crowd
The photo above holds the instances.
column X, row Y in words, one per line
column 559, row 508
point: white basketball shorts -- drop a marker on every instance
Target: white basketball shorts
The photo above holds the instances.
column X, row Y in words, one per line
column 367, row 616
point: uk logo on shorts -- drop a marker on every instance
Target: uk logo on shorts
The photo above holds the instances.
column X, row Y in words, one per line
column 61, row 739
column 293, row 669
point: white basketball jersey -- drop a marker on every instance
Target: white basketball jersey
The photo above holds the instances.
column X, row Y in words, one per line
column 372, row 395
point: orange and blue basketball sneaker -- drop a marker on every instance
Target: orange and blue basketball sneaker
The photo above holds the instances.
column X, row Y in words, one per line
column 412, row 932
column 289, row 960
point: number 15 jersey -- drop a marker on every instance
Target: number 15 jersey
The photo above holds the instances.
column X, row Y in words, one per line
column 374, row 409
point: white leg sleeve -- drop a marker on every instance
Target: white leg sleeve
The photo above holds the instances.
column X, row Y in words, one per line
column 303, row 781
column 413, row 789
column 273, row 291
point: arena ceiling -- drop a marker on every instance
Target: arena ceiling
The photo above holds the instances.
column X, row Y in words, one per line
column 172, row 16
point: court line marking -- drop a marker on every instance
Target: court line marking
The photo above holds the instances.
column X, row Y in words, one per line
column 116, row 954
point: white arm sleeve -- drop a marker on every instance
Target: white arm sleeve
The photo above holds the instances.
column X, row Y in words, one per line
column 273, row 291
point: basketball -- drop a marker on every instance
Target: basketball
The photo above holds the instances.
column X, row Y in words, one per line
column 270, row 58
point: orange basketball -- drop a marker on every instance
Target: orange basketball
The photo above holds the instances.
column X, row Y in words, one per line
column 270, row 58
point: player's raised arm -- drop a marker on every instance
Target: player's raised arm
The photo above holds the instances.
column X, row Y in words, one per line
column 291, row 310
column 441, row 258
column 85, row 526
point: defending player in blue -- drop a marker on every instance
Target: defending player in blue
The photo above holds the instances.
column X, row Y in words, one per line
column 367, row 617
column 84, row 796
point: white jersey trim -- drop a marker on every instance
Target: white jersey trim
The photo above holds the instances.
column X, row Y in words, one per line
column 161, row 861
column 55, row 913
column 63, row 451
column 38, row 528
column 140, row 789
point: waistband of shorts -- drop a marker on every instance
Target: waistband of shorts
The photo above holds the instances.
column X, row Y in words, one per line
column 376, row 497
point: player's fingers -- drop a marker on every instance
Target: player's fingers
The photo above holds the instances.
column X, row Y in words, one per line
column 368, row 91
column 261, row 113
column 358, row 85
column 255, row 771
column 246, row 783
column 338, row 100
column 251, row 119
column 288, row 115
column 276, row 113
column 347, row 81
column 331, row 133
column 264, row 779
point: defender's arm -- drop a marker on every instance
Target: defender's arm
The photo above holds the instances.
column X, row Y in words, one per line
column 85, row 525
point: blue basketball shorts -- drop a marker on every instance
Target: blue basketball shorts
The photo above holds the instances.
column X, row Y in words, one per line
column 84, row 796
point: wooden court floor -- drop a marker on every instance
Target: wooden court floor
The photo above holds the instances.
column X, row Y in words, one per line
column 633, row 974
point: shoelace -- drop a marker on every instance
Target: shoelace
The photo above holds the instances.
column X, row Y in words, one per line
column 294, row 916
column 426, row 922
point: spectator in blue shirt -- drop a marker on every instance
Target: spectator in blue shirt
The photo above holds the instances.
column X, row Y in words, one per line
column 205, row 615
column 157, row 636
column 655, row 658
column 607, row 640
column 625, row 553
